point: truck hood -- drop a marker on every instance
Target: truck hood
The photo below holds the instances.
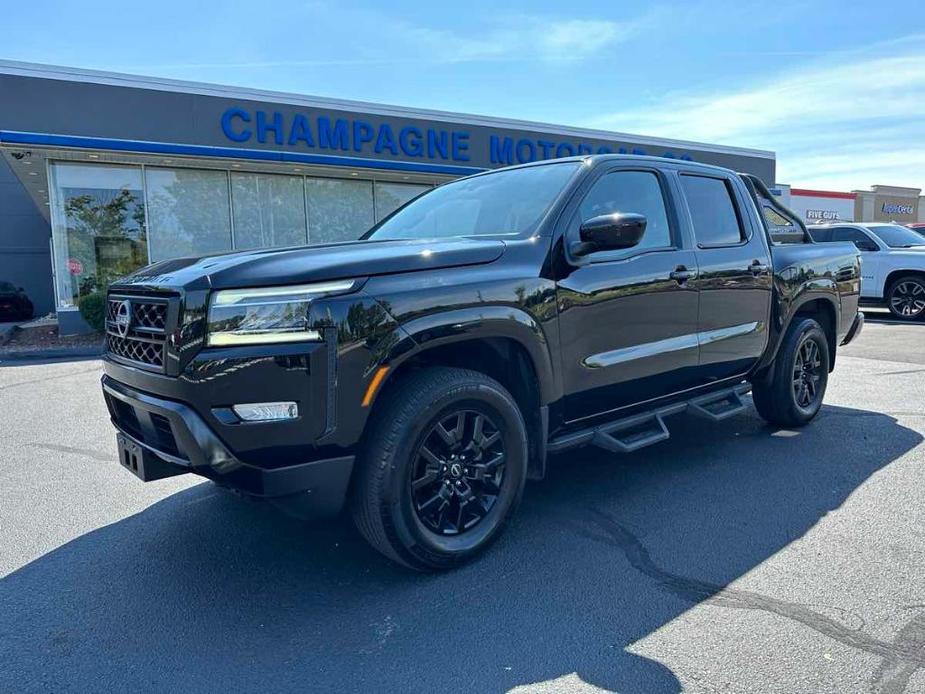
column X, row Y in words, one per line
column 305, row 264
column 916, row 254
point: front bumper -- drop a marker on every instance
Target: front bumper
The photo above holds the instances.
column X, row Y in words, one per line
column 856, row 327
column 171, row 438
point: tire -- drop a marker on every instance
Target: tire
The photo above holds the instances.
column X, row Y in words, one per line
column 906, row 297
column 460, row 504
column 778, row 398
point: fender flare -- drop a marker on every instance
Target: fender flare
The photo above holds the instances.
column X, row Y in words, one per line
column 803, row 296
column 471, row 324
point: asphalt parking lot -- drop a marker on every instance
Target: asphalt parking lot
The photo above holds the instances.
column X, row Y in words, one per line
column 734, row 557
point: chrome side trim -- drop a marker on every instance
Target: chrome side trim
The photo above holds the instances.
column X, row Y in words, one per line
column 719, row 334
column 643, row 351
column 671, row 344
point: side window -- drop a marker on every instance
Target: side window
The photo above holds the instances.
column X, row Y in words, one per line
column 821, row 235
column 638, row 192
column 713, row 213
column 855, row 236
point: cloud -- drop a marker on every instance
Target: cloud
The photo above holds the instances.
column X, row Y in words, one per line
column 849, row 123
column 383, row 40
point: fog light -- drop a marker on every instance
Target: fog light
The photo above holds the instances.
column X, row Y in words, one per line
column 266, row 411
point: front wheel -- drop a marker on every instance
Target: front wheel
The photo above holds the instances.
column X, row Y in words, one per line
column 906, row 297
column 792, row 393
column 442, row 468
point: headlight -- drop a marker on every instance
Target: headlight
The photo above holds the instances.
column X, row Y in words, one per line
column 268, row 314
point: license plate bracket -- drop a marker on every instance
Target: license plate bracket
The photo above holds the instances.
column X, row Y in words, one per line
column 143, row 463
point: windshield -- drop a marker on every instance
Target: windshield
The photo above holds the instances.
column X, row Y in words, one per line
column 507, row 202
column 896, row 236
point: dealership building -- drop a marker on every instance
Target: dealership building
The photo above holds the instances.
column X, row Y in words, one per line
column 103, row 173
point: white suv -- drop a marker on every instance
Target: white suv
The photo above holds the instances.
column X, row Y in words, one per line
column 892, row 264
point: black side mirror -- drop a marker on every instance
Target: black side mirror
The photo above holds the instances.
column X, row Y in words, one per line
column 608, row 232
column 866, row 245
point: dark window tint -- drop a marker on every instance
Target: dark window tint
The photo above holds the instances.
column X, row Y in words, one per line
column 855, row 236
column 821, row 235
column 637, row 192
column 712, row 211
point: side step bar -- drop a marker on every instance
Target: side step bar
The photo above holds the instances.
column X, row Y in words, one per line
column 632, row 433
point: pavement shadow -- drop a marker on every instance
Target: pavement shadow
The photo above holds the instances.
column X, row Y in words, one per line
column 204, row 591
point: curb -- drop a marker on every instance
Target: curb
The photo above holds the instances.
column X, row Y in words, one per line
column 45, row 354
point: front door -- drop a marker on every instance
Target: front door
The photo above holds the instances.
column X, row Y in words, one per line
column 628, row 318
column 735, row 279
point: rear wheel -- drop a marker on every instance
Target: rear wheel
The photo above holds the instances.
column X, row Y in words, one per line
column 442, row 469
column 906, row 297
column 792, row 393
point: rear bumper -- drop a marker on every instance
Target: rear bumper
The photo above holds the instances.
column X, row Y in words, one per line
column 856, row 327
column 174, row 439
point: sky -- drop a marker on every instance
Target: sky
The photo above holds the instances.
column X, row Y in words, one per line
column 836, row 89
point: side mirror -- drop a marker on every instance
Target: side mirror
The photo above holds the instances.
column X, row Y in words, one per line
column 866, row 245
column 608, row 232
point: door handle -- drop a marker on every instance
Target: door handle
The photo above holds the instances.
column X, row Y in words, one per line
column 758, row 268
column 681, row 274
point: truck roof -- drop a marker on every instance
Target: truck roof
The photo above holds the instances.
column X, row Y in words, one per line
column 597, row 159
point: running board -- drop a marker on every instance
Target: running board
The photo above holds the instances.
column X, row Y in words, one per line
column 644, row 429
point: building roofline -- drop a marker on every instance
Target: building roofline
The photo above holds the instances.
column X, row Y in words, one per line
column 822, row 193
column 73, row 74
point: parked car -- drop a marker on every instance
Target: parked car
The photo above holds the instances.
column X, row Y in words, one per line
column 917, row 227
column 14, row 304
column 893, row 264
column 422, row 374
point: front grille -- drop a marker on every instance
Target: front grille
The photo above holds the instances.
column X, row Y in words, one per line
column 136, row 330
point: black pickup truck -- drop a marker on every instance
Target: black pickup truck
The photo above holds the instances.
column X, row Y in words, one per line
column 421, row 374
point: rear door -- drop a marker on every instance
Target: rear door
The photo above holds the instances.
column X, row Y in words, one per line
column 735, row 278
column 628, row 318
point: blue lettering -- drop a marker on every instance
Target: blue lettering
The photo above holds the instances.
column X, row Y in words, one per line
column 567, row 148
column 584, row 149
column 604, row 149
column 335, row 138
column 362, row 133
column 460, row 142
column 410, row 139
column 386, row 139
column 301, row 131
column 276, row 127
column 638, row 150
column 546, row 146
column 501, row 151
column 437, row 143
column 530, row 148
column 228, row 121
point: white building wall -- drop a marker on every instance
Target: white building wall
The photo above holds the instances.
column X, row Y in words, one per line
column 822, row 208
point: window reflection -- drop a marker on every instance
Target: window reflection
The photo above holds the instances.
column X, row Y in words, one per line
column 100, row 220
column 188, row 212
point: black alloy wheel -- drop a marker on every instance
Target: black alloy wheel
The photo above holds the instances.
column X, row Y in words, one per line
column 790, row 393
column 458, row 472
column 907, row 298
column 807, row 374
column 442, row 467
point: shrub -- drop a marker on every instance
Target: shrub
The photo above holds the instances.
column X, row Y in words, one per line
column 93, row 309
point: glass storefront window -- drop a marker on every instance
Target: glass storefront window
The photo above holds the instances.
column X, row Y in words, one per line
column 98, row 227
column 102, row 229
column 268, row 210
column 188, row 212
column 391, row 196
column 338, row 209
